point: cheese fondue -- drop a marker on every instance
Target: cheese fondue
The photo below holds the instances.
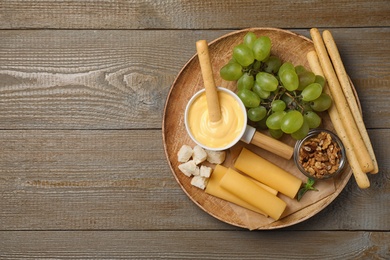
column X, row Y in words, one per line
column 223, row 133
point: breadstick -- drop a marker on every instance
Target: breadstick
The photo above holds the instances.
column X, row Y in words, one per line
column 212, row 99
column 349, row 95
column 341, row 104
column 360, row 176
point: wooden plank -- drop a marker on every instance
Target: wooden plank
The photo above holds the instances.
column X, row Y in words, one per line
column 90, row 180
column 195, row 245
column 149, row 14
column 77, row 79
column 87, row 79
column 119, row 179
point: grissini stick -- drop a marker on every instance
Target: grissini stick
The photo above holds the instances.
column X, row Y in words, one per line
column 360, row 176
column 341, row 103
column 348, row 92
column 208, row 81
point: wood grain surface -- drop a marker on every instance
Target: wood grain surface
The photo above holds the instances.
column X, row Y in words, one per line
column 196, row 245
column 120, row 79
column 181, row 14
column 83, row 172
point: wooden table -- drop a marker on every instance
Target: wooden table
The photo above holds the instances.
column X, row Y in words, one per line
column 83, row 172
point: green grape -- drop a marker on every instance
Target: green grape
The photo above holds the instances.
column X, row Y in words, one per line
column 232, row 60
column 291, row 122
column 267, row 87
column 256, row 114
column 276, row 133
column 300, row 69
column 320, row 80
column 306, row 106
column 272, row 64
column 301, row 132
column 243, row 55
column 305, row 79
column 231, row 71
column 274, row 121
column 286, row 66
column 245, row 81
column 322, row 103
column 312, row 118
column 249, row 39
column 278, row 105
column 311, row 92
column 262, row 124
column 267, row 81
column 249, row 98
column 256, row 65
column 263, row 94
column 287, row 99
column 262, row 48
column 289, row 79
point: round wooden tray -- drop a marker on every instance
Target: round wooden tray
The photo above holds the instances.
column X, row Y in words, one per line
column 289, row 47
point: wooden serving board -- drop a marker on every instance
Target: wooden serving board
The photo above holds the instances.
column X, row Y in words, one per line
column 287, row 46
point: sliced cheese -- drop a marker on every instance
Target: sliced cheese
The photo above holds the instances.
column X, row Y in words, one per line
column 252, row 193
column 267, row 188
column 213, row 188
column 267, row 173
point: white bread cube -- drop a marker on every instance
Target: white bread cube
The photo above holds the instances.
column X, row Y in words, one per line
column 185, row 153
column 188, row 168
column 215, row 157
column 197, row 171
column 199, row 182
column 205, row 171
column 199, row 154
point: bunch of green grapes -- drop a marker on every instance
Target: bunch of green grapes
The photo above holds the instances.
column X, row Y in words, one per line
column 279, row 96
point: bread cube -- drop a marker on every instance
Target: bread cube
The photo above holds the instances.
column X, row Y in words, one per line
column 205, row 171
column 215, row 157
column 185, row 153
column 199, row 155
column 188, row 168
column 199, row 182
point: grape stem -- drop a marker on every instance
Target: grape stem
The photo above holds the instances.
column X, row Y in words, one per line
column 296, row 100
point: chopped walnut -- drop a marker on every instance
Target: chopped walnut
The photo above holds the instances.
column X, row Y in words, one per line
column 320, row 155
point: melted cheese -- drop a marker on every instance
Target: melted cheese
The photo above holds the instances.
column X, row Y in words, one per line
column 216, row 134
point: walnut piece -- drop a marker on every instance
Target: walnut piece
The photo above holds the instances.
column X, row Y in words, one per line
column 320, row 156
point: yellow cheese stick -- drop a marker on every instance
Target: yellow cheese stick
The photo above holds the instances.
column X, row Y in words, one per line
column 269, row 189
column 250, row 192
column 220, row 171
column 214, row 188
column 267, row 173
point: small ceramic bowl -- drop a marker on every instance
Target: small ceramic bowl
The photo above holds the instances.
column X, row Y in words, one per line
column 242, row 110
column 315, row 157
